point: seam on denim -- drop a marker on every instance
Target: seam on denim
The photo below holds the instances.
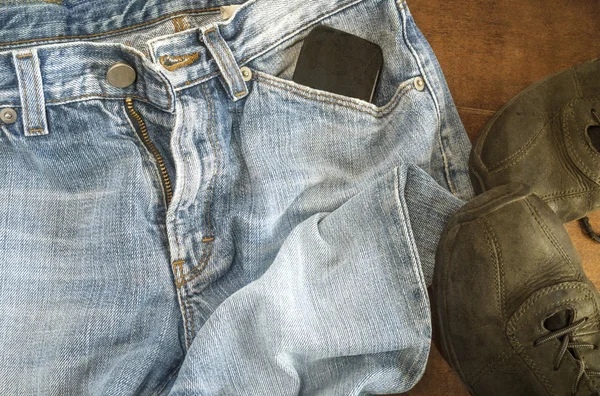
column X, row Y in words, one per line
column 181, row 60
column 26, row 104
column 494, row 256
column 521, row 152
column 403, row 229
column 3, row 2
column 191, row 309
column 189, row 323
column 215, row 44
column 288, row 36
column 217, row 152
column 552, row 238
column 61, row 100
column 377, row 112
column 182, row 292
column 109, row 33
column 207, row 246
column 416, row 265
column 199, row 80
column 6, row 131
column 26, row 108
column 149, row 156
column 175, row 145
column 447, row 173
column 36, row 84
column 198, row 269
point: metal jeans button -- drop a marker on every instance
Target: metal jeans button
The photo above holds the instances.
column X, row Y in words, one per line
column 8, row 115
column 121, row 75
column 246, row 73
column 419, row 83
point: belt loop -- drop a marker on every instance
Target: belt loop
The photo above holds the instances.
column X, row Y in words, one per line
column 31, row 90
column 225, row 61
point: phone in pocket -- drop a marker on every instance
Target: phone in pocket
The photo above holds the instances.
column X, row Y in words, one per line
column 339, row 62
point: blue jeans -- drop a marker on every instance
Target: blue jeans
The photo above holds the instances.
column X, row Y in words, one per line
column 211, row 227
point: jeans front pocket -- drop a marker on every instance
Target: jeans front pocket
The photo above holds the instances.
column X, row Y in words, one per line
column 309, row 94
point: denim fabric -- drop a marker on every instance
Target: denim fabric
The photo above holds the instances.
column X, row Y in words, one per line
column 200, row 232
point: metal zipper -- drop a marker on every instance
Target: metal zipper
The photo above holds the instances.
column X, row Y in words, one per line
column 143, row 134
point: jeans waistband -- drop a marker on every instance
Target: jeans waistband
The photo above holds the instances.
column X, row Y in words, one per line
column 75, row 42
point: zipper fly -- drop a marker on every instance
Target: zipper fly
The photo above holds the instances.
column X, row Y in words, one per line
column 142, row 131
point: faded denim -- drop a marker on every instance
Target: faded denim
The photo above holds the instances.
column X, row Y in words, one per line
column 204, row 233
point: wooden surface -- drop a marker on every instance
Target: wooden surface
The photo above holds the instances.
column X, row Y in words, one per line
column 489, row 52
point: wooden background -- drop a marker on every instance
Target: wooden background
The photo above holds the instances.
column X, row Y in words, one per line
column 489, row 52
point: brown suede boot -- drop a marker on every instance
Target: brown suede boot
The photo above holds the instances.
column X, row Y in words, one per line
column 548, row 137
column 515, row 311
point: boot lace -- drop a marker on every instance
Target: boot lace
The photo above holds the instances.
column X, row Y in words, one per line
column 568, row 334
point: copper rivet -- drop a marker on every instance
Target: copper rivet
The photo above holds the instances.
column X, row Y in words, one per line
column 419, row 83
column 8, row 115
column 246, row 73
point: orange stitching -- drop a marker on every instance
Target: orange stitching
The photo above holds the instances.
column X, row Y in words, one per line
column 208, row 239
column 203, row 262
column 207, row 251
column 198, row 11
column 27, row 55
column 177, row 24
column 378, row 112
column 180, row 61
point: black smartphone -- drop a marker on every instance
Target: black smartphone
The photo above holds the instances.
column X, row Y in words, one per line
column 339, row 62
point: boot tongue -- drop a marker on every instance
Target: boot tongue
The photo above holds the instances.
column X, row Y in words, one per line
column 559, row 320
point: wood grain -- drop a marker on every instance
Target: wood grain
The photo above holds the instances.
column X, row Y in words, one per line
column 489, row 52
